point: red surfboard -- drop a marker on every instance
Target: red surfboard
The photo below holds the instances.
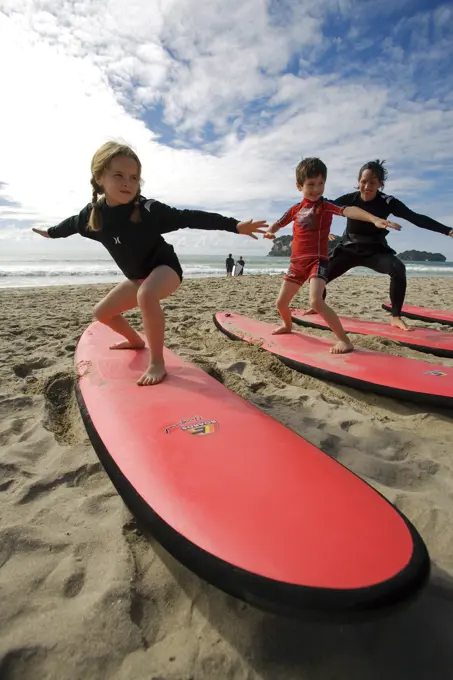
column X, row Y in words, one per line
column 424, row 314
column 363, row 369
column 273, row 521
column 423, row 339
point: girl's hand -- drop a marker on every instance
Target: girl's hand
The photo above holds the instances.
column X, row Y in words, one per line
column 269, row 234
column 332, row 237
column 41, row 232
column 387, row 224
column 251, row 228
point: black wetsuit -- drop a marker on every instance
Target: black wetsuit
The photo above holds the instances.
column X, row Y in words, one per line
column 364, row 245
column 242, row 263
column 138, row 247
column 229, row 263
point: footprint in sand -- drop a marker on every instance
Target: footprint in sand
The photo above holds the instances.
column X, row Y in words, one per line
column 71, row 478
column 25, row 369
column 74, row 584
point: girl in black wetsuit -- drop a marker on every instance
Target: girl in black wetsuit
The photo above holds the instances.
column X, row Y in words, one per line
column 364, row 245
column 131, row 228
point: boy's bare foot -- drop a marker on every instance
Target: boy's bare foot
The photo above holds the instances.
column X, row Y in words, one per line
column 282, row 329
column 153, row 375
column 342, row 347
column 125, row 344
column 398, row 322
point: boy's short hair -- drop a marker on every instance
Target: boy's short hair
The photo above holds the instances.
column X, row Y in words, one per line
column 310, row 167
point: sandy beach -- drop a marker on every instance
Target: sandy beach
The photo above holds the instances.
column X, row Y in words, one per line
column 85, row 595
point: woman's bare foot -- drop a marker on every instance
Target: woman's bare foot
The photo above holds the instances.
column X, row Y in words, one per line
column 125, row 344
column 342, row 347
column 282, row 329
column 153, row 375
column 398, row 322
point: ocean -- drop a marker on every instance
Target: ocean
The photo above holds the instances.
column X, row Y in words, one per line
column 30, row 271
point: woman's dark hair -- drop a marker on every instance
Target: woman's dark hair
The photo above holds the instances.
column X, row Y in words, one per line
column 378, row 169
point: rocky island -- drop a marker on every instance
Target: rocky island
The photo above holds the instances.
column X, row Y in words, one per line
column 281, row 246
column 421, row 256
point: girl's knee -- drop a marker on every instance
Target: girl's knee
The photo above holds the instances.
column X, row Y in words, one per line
column 100, row 313
column 146, row 295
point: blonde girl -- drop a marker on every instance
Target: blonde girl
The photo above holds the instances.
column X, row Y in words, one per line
column 131, row 227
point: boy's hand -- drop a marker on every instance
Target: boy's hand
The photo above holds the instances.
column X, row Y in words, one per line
column 387, row 224
column 41, row 232
column 451, row 233
column 251, row 228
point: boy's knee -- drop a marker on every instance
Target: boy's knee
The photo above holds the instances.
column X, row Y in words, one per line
column 316, row 302
column 280, row 304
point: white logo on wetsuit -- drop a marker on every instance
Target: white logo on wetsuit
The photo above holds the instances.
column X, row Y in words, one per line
column 305, row 218
column 117, row 240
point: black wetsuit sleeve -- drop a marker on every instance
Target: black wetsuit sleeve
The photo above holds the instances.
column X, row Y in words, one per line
column 345, row 201
column 170, row 219
column 76, row 224
column 400, row 210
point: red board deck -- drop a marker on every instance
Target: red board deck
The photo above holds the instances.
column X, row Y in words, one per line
column 275, row 521
column 424, row 314
column 422, row 339
column 392, row 376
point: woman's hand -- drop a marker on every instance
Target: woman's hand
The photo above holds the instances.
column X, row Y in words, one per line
column 41, row 232
column 251, row 228
column 387, row 224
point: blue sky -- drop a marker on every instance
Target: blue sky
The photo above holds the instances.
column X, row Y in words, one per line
column 221, row 101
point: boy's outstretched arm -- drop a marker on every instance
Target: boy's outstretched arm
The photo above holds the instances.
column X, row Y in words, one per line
column 359, row 214
column 272, row 230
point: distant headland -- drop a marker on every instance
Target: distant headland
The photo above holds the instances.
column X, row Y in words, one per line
column 281, row 247
column 421, row 256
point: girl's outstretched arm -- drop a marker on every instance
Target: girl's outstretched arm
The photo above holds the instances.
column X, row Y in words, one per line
column 41, row 232
column 251, row 228
column 76, row 224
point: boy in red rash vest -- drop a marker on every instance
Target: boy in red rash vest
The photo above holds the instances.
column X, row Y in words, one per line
column 309, row 251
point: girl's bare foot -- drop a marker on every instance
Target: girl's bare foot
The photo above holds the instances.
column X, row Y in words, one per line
column 342, row 347
column 281, row 329
column 306, row 312
column 125, row 344
column 153, row 375
column 398, row 322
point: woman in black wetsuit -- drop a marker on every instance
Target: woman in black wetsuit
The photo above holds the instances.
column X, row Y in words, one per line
column 364, row 245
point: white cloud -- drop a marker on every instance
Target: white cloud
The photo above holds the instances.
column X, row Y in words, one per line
column 85, row 72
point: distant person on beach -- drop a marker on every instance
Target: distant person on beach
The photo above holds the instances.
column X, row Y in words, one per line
column 241, row 263
column 130, row 227
column 229, row 263
column 311, row 220
column 364, row 245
